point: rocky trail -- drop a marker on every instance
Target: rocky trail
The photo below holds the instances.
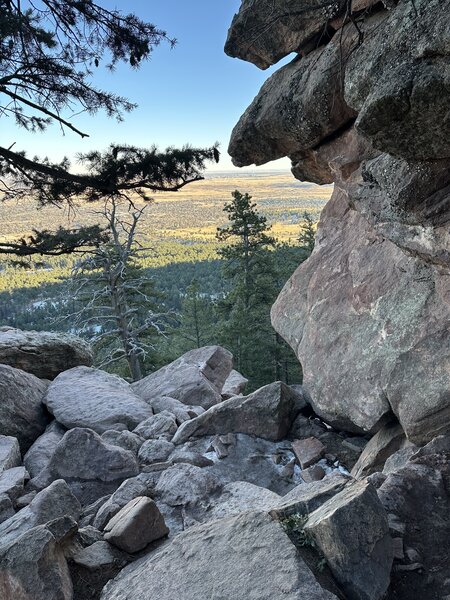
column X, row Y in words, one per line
column 180, row 486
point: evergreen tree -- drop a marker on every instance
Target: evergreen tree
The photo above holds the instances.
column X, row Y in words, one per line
column 49, row 50
column 196, row 323
column 307, row 235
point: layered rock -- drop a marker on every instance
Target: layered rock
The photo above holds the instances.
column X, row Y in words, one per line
column 366, row 108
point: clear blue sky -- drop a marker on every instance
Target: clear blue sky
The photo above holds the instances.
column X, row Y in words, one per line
column 192, row 94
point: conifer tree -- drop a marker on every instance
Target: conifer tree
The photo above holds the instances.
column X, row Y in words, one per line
column 307, row 235
column 49, row 51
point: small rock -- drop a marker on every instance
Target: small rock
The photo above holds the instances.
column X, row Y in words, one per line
column 308, row 451
column 6, row 508
column 125, row 439
column 99, row 555
column 192, row 458
column 234, row 385
column 385, row 442
column 219, row 448
column 9, row 453
column 136, row 525
column 40, row 453
column 12, row 482
column 314, row 473
column 25, row 499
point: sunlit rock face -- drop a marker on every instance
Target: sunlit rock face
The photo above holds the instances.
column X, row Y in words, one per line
column 365, row 103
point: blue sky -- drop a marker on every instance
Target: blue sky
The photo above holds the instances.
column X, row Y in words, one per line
column 192, row 94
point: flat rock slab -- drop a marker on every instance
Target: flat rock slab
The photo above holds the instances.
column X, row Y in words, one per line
column 43, row 353
column 308, row 451
column 9, row 453
column 351, row 530
column 22, row 414
column 267, row 413
column 196, row 378
column 385, row 442
column 248, row 556
column 136, row 525
column 86, row 397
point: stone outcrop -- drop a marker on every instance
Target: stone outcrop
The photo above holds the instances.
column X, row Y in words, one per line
column 42, row 353
column 364, row 104
column 196, row 378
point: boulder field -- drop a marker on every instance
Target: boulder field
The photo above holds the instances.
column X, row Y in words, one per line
column 124, row 491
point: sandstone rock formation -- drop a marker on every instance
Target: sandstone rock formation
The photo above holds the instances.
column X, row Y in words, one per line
column 364, row 104
column 42, row 353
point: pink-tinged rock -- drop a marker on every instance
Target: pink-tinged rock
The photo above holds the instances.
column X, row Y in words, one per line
column 308, row 451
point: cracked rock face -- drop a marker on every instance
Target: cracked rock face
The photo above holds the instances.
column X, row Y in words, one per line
column 366, row 107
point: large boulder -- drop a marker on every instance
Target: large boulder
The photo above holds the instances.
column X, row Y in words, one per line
column 43, row 353
column 267, row 413
column 86, row 397
column 22, row 414
column 195, row 378
column 368, row 313
column 127, row 491
column 351, row 531
column 91, row 467
column 358, row 312
column 248, row 556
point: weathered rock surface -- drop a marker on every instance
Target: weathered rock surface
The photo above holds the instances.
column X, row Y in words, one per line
column 52, row 503
column 86, row 397
column 241, row 496
column 351, row 530
column 136, row 525
column 12, row 482
column 42, row 353
column 248, row 556
column 22, row 414
column 417, row 499
column 234, row 385
column 308, row 451
column 9, row 453
column 125, row 439
column 127, row 491
column 267, row 413
column 34, row 567
column 160, row 426
column 91, row 467
column 372, row 324
column 195, row 378
column 385, row 442
column 180, row 411
column 155, row 451
column 185, row 484
column 366, row 108
column 40, row 453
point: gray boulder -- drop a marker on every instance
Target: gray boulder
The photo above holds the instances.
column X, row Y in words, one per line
column 234, row 385
column 34, row 567
column 86, row 397
column 267, row 413
column 52, row 503
column 154, row 451
column 125, row 439
column 248, row 556
column 12, row 482
column 160, row 426
column 22, row 414
column 185, row 484
column 241, row 496
column 351, row 531
column 6, row 508
column 136, row 525
column 181, row 412
column 40, row 453
column 43, row 353
column 196, row 378
column 91, row 467
column 127, row 491
column 9, row 453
